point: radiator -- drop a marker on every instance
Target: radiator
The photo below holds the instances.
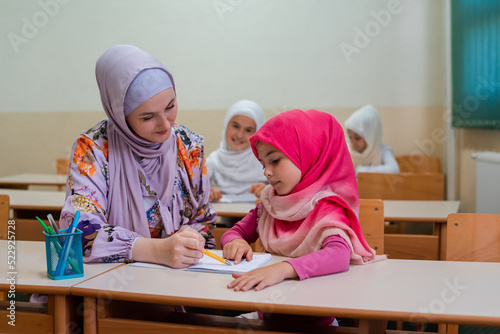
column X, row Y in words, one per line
column 487, row 182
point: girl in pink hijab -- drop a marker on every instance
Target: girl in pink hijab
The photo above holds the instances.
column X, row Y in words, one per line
column 309, row 210
column 138, row 178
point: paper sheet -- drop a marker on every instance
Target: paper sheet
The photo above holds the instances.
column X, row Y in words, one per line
column 207, row 264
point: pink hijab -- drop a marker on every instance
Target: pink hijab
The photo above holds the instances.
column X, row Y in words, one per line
column 325, row 202
column 116, row 68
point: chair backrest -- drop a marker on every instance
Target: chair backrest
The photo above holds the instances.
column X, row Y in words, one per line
column 417, row 163
column 29, row 229
column 404, row 186
column 62, row 166
column 473, row 237
column 4, row 216
column 217, row 232
column 371, row 219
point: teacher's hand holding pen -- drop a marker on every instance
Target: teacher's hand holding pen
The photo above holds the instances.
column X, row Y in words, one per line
column 180, row 250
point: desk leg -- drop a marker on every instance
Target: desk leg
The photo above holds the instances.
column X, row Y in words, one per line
column 60, row 314
column 90, row 315
column 372, row 326
column 452, row 329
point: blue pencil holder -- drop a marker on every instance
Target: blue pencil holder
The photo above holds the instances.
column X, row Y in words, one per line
column 64, row 254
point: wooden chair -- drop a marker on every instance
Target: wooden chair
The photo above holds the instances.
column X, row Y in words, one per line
column 29, row 229
column 404, row 186
column 371, row 219
column 219, row 231
column 4, row 223
column 62, row 166
column 472, row 237
column 4, row 216
column 417, row 163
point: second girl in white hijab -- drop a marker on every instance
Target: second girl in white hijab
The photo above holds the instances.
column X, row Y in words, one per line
column 232, row 168
column 364, row 136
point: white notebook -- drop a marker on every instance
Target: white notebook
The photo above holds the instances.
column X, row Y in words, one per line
column 207, row 264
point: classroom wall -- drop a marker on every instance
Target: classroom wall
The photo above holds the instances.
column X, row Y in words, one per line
column 332, row 55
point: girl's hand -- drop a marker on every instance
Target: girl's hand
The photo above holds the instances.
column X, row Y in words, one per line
column 180, row 250
column 262, row 277
column 236, row 250
column 257, row 189
column 215, row 194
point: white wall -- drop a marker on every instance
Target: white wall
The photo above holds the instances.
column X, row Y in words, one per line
column 332, row 55
column 281, row 53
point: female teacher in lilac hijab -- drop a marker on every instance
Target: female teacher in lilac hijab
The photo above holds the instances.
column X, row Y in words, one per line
column 139, row 179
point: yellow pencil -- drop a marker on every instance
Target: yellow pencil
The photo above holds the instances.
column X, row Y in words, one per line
column 218, row 258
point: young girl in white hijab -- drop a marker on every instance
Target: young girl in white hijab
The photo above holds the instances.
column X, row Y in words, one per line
column 232, row 168
column 364, row 137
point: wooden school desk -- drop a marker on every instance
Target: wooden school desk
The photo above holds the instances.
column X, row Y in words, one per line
column 25, row 205
column 232, row 209
column 24, row 201
column 404, row 290
column 30, row 274
column 419, row 211
column 416, row 246
column 23, row 181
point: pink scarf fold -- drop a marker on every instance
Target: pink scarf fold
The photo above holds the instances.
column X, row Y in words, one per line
column 325, row 202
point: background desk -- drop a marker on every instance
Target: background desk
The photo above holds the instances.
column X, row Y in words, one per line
column 23, row 181
column 418, row 246
column 440, row 292
column 22, row 202
column 419, row 211
column 233, row 209
column 25, row 205
column 31, row 277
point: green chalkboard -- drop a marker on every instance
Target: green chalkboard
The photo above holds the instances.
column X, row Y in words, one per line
column 476, row 63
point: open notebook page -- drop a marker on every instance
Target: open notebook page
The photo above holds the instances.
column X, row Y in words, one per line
column 207, row 264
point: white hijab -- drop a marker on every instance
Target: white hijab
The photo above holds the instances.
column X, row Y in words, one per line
column 366, row 122
column 234, row 171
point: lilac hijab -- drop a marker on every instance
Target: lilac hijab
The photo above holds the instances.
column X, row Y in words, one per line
column 116, row 68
